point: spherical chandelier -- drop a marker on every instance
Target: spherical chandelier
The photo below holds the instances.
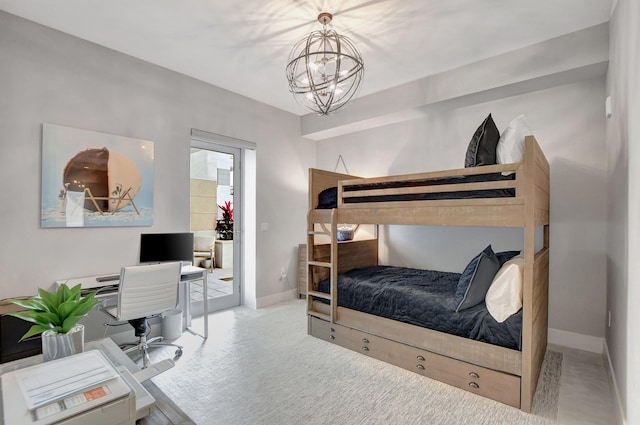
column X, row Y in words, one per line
column 325, row 69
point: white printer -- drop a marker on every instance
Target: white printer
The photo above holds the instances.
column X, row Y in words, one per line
column 77, row 390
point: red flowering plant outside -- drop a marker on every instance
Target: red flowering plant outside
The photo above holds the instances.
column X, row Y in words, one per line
column 224, row 227
column 227, row 211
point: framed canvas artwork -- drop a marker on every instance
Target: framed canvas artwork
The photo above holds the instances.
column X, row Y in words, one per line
column 92, row 179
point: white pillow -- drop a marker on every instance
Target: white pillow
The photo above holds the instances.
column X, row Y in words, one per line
column 510, row 147
column 504, row 297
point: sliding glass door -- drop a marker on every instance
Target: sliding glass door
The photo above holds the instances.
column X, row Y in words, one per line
column 216, row 213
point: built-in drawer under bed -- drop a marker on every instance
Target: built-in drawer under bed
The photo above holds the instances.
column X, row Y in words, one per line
column 499, row 386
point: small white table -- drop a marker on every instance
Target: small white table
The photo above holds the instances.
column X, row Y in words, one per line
column 224, row 254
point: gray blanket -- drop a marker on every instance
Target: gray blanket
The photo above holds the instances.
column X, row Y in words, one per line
column 424, row 298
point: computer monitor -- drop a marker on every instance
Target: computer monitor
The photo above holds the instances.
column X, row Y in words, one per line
column 161, row 247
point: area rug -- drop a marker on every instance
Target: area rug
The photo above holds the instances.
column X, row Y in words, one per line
column 545, row 401
column 262, row 368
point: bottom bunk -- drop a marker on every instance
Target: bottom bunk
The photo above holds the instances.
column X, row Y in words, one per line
column 426, row 298
column 414, row 320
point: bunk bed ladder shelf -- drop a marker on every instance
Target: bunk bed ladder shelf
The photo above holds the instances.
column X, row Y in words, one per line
column 312, row 262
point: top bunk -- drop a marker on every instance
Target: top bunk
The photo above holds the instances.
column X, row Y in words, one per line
column 503, row 195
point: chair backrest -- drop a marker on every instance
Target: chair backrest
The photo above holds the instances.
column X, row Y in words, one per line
column 147, row 290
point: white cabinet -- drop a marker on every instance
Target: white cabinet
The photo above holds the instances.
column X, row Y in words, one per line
column 224, row 254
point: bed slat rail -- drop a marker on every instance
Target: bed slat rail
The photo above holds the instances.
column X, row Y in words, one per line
column 494, row 214
column 469, row 171
column 440, row 188
column 426, row 184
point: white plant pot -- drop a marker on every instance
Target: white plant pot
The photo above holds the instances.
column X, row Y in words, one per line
column 56, row 345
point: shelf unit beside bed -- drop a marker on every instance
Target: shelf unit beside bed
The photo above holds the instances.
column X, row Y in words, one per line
column 506, row 375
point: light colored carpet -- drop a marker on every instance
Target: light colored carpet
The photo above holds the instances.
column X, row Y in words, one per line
column 545, row 401
column 261, row 367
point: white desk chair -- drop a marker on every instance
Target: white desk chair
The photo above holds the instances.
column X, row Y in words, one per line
column 146, row 291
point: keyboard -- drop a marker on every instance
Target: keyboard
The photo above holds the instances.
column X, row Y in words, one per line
column 108, row 278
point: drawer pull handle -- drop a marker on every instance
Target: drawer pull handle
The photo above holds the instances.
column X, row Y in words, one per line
column 332, row 337
column 474, row 375
column 365, row 340
column 421, row 358
column 365, row 348
column 474, row 385
column 419, row 366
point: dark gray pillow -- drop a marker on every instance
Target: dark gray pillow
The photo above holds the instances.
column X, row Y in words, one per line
column 505, row 256
column 328, row 198
column 476, row 279
column 482, row 147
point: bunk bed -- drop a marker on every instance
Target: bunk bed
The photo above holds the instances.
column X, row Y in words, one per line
column 464, row 197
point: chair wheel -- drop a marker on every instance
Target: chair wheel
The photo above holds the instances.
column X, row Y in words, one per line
column 178, row 352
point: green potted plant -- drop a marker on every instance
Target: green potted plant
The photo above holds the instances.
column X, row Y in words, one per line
column 224, row 227
column 55, row 315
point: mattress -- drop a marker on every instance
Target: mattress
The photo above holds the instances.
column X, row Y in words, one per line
column 424, row 298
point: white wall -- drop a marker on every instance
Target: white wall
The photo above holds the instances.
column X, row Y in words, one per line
column 633, row 299
column 561, row 60
column 48, row 76
column 623, row 241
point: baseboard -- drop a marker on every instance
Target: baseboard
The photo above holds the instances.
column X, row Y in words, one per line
column 275, row 298
column 250, row 302
column 613, row 382
column 577, row 341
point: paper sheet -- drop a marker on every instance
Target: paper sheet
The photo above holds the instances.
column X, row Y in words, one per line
column 51, row 381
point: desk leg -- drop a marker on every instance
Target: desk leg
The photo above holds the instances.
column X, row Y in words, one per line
column 205, row 307
column 187, row 303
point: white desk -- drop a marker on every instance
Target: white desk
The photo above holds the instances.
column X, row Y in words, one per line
column 188, row 274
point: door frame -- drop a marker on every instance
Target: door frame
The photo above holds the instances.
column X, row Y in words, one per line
column 217, row 144
column 248, row 236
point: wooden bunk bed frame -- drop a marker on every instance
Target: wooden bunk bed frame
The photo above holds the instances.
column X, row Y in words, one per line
column 499, row 373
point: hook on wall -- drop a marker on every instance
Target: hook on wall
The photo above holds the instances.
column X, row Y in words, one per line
column 340, row 159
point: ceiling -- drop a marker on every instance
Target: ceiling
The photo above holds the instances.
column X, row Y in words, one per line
column 243, row 45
